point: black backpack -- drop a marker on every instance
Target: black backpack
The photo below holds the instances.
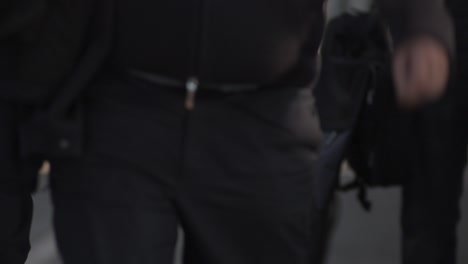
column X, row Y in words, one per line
column 357, row 108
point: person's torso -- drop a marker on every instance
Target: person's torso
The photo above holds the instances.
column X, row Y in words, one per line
column 217, row 41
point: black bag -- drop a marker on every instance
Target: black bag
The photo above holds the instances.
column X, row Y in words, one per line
column 358, row 111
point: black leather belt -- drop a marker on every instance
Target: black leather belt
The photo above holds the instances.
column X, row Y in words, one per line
column 193, row 85
column 173, row 82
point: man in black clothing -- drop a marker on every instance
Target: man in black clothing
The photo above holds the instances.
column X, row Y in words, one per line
column 201, row 115
column 431, row 196
column 421, row 149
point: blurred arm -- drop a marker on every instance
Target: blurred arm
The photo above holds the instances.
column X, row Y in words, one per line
column 423, row 35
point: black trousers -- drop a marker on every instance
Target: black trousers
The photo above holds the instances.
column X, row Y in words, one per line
column 17, row 179
column 236, row 173
column 431, row 196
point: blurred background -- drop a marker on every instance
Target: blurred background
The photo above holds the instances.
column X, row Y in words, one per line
column 359, row 238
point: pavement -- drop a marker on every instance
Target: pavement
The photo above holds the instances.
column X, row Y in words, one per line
column 359, row 238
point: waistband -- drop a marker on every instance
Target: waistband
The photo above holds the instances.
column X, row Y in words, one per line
column 190, row 82
column 222, row 88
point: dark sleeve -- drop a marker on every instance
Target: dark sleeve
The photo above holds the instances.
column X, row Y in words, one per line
column 409, row 18
column 55, row 47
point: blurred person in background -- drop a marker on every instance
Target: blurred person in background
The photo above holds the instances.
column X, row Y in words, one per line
column 419, row 147
column 198, row 113
column 432, row 194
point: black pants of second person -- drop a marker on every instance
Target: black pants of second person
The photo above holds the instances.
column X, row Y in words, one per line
column 431, row 196
column 16, row 184
column 235, row 173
